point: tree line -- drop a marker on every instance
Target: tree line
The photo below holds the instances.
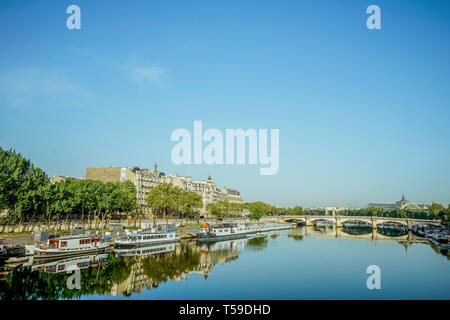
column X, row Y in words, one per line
column 27, row 194
column 167, row 200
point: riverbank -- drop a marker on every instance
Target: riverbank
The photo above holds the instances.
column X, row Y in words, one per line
column 185, row 233
column 186, row 229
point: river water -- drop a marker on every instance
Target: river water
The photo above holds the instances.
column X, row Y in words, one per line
column 305, row 263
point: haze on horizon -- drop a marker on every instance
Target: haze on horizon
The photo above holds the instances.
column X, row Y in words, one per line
column 363, row 114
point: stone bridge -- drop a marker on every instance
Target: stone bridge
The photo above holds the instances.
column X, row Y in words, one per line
column 372, row 235
column 340, row 220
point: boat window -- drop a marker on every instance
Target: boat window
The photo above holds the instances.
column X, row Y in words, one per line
column 85, row 241
column 54, row 244
column 63, row 244
column 51, row 268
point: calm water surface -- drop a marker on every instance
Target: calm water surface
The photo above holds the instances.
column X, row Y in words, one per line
column 305, row 263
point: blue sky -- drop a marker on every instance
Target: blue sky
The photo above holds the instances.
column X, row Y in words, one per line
column 363, row 114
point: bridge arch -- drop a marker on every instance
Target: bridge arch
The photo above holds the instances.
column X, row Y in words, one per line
column 322, row 218
column 397, row 229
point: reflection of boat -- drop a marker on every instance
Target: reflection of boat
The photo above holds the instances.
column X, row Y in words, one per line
column 62, row 265
column 140, row 239
column 258, row 235
column 57, row 264
column 224, row 245
column 70, row 245
column 145, row 250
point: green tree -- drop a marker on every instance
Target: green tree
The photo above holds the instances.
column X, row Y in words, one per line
column 189, row 203
column 295, row 211
column 22, row 186
column 127, row 200
column 436, row 210
column 215, row 209
column 164, row 199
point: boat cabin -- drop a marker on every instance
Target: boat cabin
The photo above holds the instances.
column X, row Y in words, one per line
column 70, row 242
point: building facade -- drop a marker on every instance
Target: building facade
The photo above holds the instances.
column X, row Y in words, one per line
column 401, row 204
column 145, row 180
column 57, row 179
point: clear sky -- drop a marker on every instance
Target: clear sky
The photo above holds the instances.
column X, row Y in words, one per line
column 363, row 114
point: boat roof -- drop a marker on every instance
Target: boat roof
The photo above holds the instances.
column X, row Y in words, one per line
column 70, row 237
column 146, row 234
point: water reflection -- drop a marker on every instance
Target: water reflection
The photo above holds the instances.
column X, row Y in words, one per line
column 362, row 231
column 129, row 271
column 297, row 234
column 258, row 243
column 123, row 271
column 48, row 279
column 357, row 230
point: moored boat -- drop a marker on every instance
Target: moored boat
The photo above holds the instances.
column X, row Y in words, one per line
column 266, row 227
column 70, row 245
column 226, row 230
column 141, row 239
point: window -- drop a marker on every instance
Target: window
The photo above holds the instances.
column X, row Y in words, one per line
column 54, row 244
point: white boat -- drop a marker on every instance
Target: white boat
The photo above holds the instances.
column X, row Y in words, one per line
column 226, row 230
column 140, row 239
column 70, row 245
column 266, row 227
